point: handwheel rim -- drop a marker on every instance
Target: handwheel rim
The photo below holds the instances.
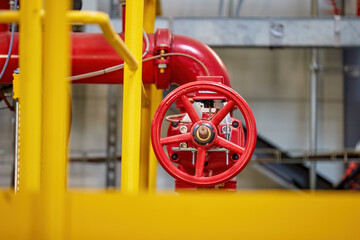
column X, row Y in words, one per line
column 250, row 137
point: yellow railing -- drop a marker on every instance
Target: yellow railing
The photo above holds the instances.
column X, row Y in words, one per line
column 149, row 163
column 103, row 20
column 55, row 119
column 9, row 16
column 30, row 96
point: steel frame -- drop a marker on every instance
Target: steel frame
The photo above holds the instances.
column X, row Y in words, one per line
column 271, row 32
column 263, row 32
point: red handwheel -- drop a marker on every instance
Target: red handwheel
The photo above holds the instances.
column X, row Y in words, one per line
column 204, row 133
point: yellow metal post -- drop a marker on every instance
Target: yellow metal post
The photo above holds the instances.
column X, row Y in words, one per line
column 132, row 100
column 149, row 23
column 29, row 120
column 156, row 95
column 145, row 139
column 148, row 167
column 149, row 15
column 55, row 118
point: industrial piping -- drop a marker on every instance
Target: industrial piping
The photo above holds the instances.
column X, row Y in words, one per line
column 175, row 62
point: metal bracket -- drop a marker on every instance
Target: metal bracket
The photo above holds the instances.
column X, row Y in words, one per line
column 276, row 33
column 337, row 30
column 111, row 148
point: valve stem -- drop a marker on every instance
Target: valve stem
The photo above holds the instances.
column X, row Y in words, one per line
column 227, row 157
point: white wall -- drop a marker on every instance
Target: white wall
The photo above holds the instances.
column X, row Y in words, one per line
column 274, row 82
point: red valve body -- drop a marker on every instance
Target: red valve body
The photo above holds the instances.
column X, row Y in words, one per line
column 196, row 143
column 215, row 162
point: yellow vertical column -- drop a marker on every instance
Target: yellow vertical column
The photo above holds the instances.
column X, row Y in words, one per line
column 149, row 23
column 132, row 100
column 55, row 118
column 145, row 139
column 156, row 96
column 30, row 63
column 148, row 159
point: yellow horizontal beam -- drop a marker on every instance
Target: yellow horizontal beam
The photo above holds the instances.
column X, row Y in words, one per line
column 9, row 16
column 245, row 215
column 88, row 17
column 17, row 218
column 252, row 215
column 103, row 20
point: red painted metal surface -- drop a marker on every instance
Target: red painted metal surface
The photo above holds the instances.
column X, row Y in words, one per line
column 210, row 168
column 4, row 5
column 13, row 63
column 335, row 10
column 192, row 60
column 91, row 52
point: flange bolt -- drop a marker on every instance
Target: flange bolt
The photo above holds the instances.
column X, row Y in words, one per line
column 174, row 156
column 235, row 124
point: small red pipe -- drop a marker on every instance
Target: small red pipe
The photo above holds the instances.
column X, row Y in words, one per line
column 123, row 12
column 91, row 52
column 4, row 5
column 335, row 8
column 13, row 62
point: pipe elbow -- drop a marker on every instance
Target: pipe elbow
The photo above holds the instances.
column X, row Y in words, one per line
column 184, row 70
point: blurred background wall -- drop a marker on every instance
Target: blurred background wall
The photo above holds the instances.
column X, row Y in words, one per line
column 275, row 83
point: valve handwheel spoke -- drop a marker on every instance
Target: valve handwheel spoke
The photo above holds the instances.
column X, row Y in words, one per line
column 190, row 109
column 200, row 161
column 229, row 145
column 223, row 112
column 204, row 134
column 176, row 139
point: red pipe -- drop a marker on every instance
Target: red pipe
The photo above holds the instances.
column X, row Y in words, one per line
column 4, row 5
column 13, row 62
column 123, row 16
column 335, row 8
column 90, row 52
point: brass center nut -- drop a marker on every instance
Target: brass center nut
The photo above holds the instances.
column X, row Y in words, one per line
column 203, row 133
